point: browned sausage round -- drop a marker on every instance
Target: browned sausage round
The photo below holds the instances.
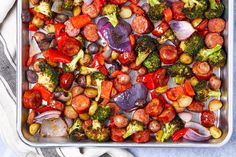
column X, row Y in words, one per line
column 71, row 47
column 216, row 25
column 168, row 54
column 120, row 121
column 141, row 25
column 154, row 126
column 195, row 106
column 215, row 83
column 202, row 70
column 70, row 29
column 212, row 39
column 90, row 32
column 90, row 10
column 154, row 107
column 167, row 115
column 141, row 115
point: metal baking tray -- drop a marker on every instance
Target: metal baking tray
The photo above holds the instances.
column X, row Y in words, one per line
column 225, row 115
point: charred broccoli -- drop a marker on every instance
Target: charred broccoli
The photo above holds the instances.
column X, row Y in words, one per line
column 155, row 12
column 98, row 77
column 70, row 67
column 48, row 76
column 76, row 133
column 68, row 4
column 97, row 132
column 195, row 8
column 145, row 45
column 216, row 9
column 152, row 62
column 102, row 113
column 170, row 128
column 111, row 12
column 192, row 45
column 216, row 57
column 179, row 70
column 202, row 92
column 133, row 127
column 44, row 8
column 168, row 35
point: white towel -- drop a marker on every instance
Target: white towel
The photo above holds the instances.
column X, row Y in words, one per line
column 8, row 132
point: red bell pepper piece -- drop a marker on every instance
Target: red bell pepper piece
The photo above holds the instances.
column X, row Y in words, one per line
column 99, row 4
column 56, row 105
column 134, row 1
column 132, row 38
column 58, row 28
column 31, row 60
column 162, row 99
column 174, row 93
column 44, row 109
column 80, row 20
column 161, row 29
column 56, row 56
column 61, row 39
column 188, row 88
column 179, row 134
column 32, row 27
column 106, row 89
column 116, row 73
column 136, row 9
column 45, row 93
column 98, row 62
column 168, row 15
column 203, row 25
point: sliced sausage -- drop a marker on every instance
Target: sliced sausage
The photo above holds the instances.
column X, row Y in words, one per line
column 216, row 25
column 215, row 83
column 154, row 126
column 81, row 103
column 196, row 106
column 141, row 25
column 90, row 10
column 168, row 54
column 70, row 29
column 141, row 116
column 202, row 70
column 167, row 115
column 71, row 47
column 154, row 107
column 141, row 136
column 120, row 121
column 208, row 118
column 90, row 32
column 212, row 39
column 32, row 99
column 117, row 134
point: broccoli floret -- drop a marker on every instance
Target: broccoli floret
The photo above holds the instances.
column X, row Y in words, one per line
column 98, row 77
column 86, row 70
column 179, row 79
column 111, row 12
column 48, row 76
column 202, row 92
column 152, row 62
column 179, row 70
column 70, row 67
column 78, row 2
column 168, row 35
column 153, row 2
column 155, row 12
column 170, row 128
column 68, row 4
column 44, row 8
column 102, row 113
column 97, row 132
column 195, row 8
column 133, row 127
column 192, row 45
column 216, row 57
column 76, row 132
column 216, row 9
column 145, row 45
column 77, row 126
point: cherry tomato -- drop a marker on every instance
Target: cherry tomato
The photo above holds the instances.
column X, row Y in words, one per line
column 141, row 136
column 66, row 80
column 141, row 116
column 208, row 118
column 167, row 115
column 117, row 134
column 154, row 107
column 32, row 99
column 81, row 103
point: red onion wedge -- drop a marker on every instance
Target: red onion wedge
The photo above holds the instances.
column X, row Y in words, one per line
column 47, row 115
column 182, row 29
column 185, row 116
column 202, row 133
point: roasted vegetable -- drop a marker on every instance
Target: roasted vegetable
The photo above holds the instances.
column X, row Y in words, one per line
column 156, row 9
column 179, row 70
column 216, row 9
column 111, row 12
column 192, row 45
column 97, row 132
column 102, row 113
column 68, row 4
column 76, row 132
column 195, row 8
column 98, row 77
column 48, row 76
column 202, row 92
column 145, row 45
column 70, row 67
column 44, row 8
column 77, row 126
column 168, row 35
column 170, row 128
column 133, row 127
column 152, row 62
column 216, row 57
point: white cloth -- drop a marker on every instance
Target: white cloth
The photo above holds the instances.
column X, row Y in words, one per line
column 8, row 107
